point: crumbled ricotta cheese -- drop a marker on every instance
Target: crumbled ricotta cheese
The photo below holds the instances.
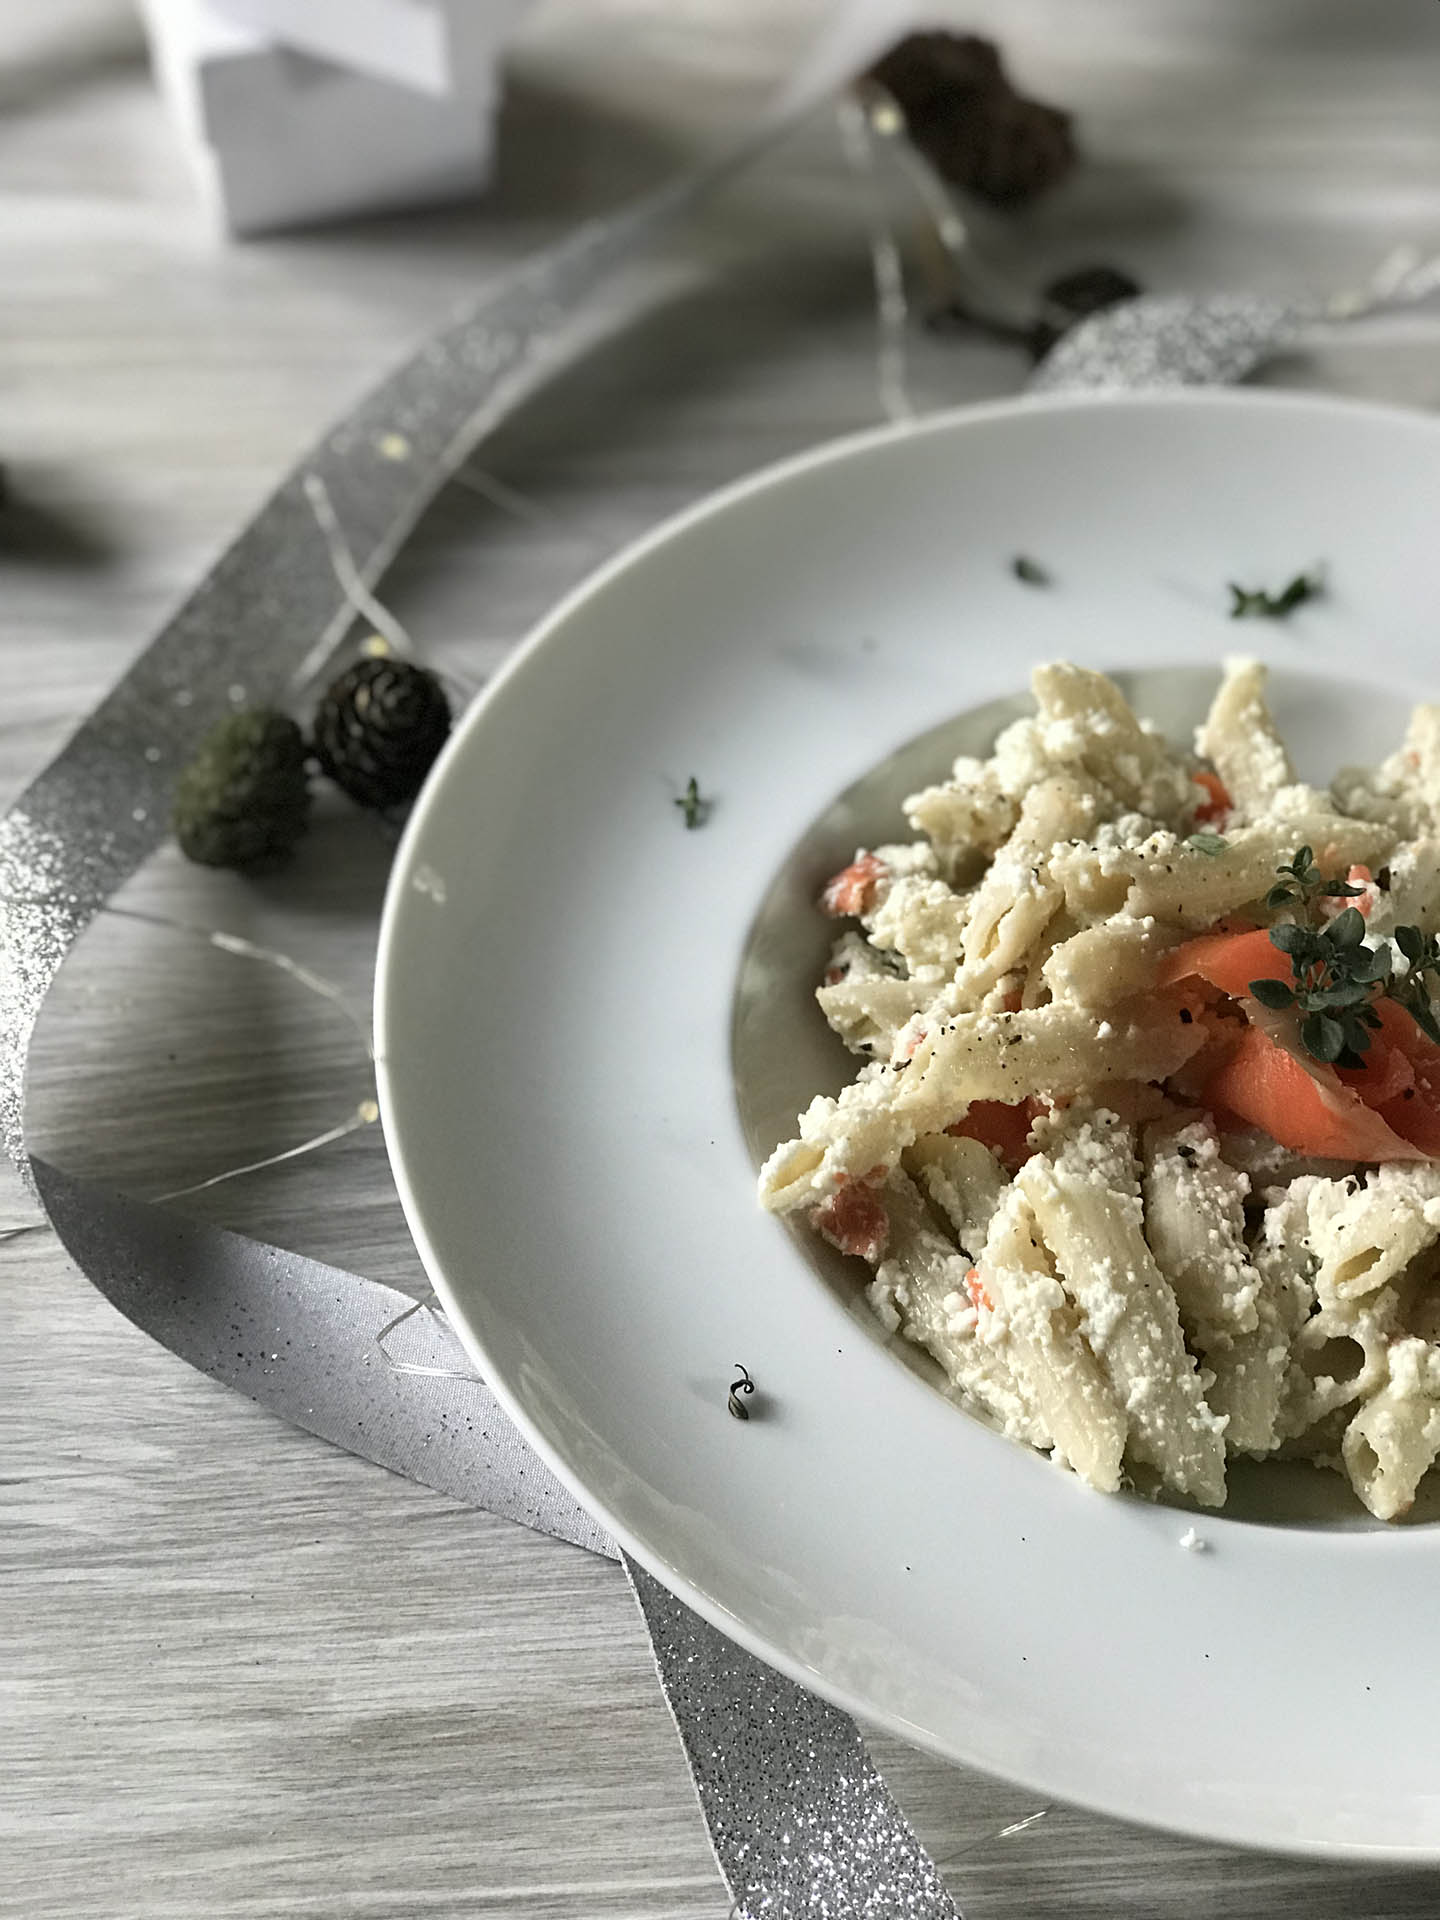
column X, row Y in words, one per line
column 1217, row 1290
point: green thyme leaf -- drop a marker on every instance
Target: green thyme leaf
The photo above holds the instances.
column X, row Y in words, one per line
column 1273, row 993
column 693, row 804
column 1255, row 603
column 1207, row 843
column 1290, row 937
column 1422, row 956
column 1030, row 571
column 1300, row 884
column 1370, row 964
column 1411, row 943
column 1348, row 993
column 1347, row 929
column 1322, row 1037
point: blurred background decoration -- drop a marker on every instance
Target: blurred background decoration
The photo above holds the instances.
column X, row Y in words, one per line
column 295, row 111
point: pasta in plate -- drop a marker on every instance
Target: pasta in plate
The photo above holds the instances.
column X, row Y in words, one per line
column 1145, row 1145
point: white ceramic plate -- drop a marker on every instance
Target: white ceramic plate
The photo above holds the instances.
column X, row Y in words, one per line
column 562, row 1046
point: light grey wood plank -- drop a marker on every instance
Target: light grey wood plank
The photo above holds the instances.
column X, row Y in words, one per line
column 242, row 1673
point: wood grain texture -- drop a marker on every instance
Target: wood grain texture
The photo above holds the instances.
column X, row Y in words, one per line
column 241, row 1673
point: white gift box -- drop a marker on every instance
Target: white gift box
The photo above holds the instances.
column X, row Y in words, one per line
column 278, row 138
column 436, row 46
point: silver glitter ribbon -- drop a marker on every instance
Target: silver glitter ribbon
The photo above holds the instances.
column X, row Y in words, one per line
column 1215, row 339
column 274, row 600
column 768, row 1760
column 1174, row 340
column 800, row 1820
column 303, row 1339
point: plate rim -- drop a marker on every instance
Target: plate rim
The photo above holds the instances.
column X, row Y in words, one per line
column 401, row 897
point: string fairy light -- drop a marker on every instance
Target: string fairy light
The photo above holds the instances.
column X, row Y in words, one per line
column 244, row 949
column 1404, row 278
column 365, row 1115
column 363, row 602
column 1005, row 304
column 892, row 310
column 501, row 494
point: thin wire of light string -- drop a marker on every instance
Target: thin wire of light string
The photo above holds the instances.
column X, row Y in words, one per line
column 426, row 1304
column 236, row 944
column 391, row 636
column 389, row 629
column 1010, row 304
column 892, row 310
column 365, row 1115
column 368, row 607
column 365, row 604
column 1404, row 278
column 501, row 494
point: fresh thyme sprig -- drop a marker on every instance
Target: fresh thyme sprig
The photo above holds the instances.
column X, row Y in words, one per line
column 693, row 804
column 1333, row 985
column 1335, row 978
column 1422, row 956
column 1254, row 603
column 1303, row 883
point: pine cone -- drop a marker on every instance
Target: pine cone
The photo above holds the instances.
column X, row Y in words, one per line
column 244, row 800
column 1074, row 297
column 969, row 122
column 378, row 729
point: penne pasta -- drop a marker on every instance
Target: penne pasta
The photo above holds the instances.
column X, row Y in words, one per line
column 1145, row 1148
column 921, row 1286
column 1049, row 1351
column 1086, row 1201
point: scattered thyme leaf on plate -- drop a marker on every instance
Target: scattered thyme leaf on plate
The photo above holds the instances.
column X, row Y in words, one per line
column 693, row 804
column 1255, row 603
column 1031, row 571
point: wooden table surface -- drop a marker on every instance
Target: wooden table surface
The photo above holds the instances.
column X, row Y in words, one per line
column 241, row 1673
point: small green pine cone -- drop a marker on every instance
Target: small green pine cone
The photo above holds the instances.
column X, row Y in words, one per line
column 244, row 800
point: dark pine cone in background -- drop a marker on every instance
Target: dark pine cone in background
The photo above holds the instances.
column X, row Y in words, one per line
column 1074, row 297
column 244, row 800
column 378, row 729
column 969, row 122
